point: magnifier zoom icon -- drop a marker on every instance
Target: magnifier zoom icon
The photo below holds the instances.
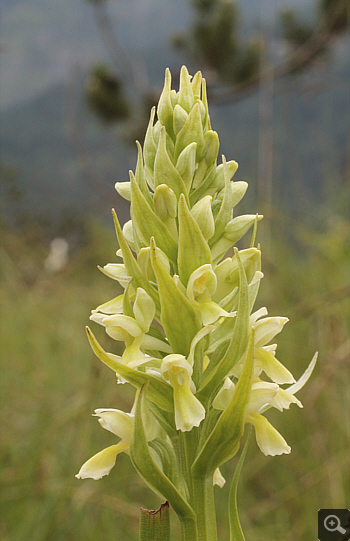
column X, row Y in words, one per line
column 332, row 524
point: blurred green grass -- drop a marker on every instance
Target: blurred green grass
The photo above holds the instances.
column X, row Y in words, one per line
column 51, row 383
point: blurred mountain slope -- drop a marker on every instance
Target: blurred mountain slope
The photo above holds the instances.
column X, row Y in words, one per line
column 47, row 45
column 43, row 40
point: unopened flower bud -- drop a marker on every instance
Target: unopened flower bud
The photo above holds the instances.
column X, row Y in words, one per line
column 186, row 164
column 204, row 216
column 185, row 96
column 179, row 119
column 165, row 107
column 123, row 188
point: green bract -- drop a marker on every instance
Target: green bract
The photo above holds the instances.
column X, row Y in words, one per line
column 201, row 358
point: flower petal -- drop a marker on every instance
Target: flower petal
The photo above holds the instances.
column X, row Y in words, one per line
column 123, row 188
column 262, row 393
column 223, row 398
column 114, row 306
column 200, row 334
column 128, row 232
column 116, row 421
column 150, row 342
column 267, row 328
column 144, row 260
column 218, row 478
column 228, row 275
column 102, row 463
column 145, row 360
column 272, row 367
column 189, row 411
column 144, row 309
column 202, row 283
column 175, row 364
column 132, row 355
column 210, row 312
column 127, row 323
column 284, row 399
column 304, row 378
column 117, row 271
column 257, row 315
column 268, row 438
column 98, row 318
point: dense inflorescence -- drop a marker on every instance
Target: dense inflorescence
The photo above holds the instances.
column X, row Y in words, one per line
column 200, row 355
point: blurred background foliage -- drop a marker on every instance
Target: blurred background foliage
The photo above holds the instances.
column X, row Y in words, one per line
column 78, row 80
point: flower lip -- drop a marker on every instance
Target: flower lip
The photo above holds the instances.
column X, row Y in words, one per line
column 116, row 421
column 174, row 365
column 268, row 438
column 189, row 411
column 101, row 464
column 202, row 284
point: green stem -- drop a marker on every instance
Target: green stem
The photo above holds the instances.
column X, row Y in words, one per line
column 190, row 443
column 211, row 520
column 201, row 490
column 185, row 467
column 155, row 525
column 188, row 530
column 185, row 450
column 204, row 507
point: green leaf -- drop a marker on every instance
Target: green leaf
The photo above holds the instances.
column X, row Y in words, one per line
column 148, row 469
column 166, row 420
column 255, row 229
column 224, row 441
column 160, row 392
column 206, row 119
column 225, row 213
column 132, row 266
column 148, row 223
column 236, row 533
column 193, row 248
column 178, row 317
column 167, row 456
column 127, row 309
column 216, row 372
column 208, row 425
column 150, row 149
column 155, row 525
column 140, row 177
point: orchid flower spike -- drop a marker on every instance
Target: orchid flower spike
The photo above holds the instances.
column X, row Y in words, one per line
column 201, row 358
